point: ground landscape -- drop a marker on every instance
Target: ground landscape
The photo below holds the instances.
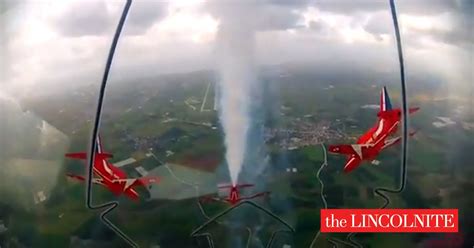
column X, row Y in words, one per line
column 168, row 126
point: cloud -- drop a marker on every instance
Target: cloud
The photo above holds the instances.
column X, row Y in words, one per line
column 463, row 22
column 350, row 6
column 95, row 18
column 380, row 23
column 145, row 14
column 445, row 22
column 418, row 7
column 6, row 5
column 270, row 14
column 87, row 18
column 290, row 3
column 316, row 25
column 278, row 18
column 68, row 42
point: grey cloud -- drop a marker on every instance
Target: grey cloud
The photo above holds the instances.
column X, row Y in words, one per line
column 316, row 25
column 362, row 62
column 426, row 7
column 291, row 3
column 461, row 33
column 456, row 37
column 277, row 18
column 421, row 7
column 93, row 18
column 379, row 23
column 268, row 15
column 350, row 6
column 143, row 15
column 6, row 5
column 84, row 19
column 328, row 52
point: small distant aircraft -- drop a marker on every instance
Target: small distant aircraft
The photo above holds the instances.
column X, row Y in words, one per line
column 234, row 195
column 370, row 144
column 110, row 176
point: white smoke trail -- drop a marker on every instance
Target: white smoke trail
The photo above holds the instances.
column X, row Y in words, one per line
column 236, row 70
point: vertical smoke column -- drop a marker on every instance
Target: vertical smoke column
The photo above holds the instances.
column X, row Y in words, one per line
column 236, row 71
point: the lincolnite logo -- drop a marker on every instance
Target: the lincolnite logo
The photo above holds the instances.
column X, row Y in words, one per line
column 389, row 220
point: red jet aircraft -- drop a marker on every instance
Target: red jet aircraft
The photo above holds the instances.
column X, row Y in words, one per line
column 111, row 176
column 234, row 195
column 370, row 144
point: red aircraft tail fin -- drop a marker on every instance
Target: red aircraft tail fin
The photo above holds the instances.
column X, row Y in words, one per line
column 395, row 112
column 385, row 103
column 83, row 155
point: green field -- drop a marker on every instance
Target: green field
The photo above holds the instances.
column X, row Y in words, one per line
column 154, row 114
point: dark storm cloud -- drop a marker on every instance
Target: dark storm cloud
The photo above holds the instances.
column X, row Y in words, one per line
column 93, row 18
column 461, row 36
column 463, row 32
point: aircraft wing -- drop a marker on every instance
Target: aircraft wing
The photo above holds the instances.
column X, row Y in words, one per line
column 81, row 178
column 413, row 110
column 352, row 149
column 356, row 149
column 141, row 180
column 393, row 141
column 132, row 182
column 83, row 155
column 207, row 199
column 255, row 195
column 390, row 142
column 99, row 154
column 238, row 186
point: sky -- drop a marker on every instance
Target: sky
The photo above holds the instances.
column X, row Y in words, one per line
column 64, row 43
